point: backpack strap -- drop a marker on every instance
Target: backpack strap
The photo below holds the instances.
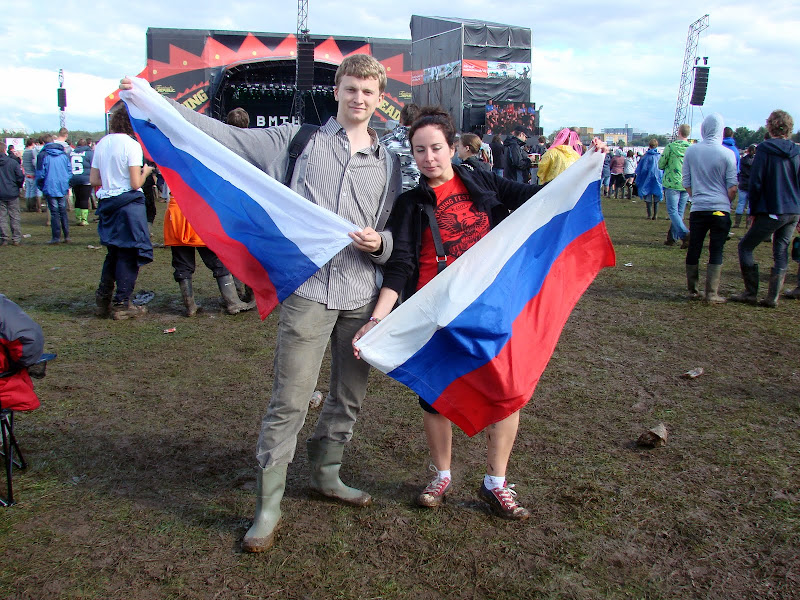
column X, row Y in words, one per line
column 441, row 257
column 296, row 146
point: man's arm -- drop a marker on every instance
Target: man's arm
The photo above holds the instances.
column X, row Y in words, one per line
column 732, row 193
column 266, row 149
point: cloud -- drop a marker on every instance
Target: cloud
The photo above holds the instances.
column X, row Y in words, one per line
column 31, row 103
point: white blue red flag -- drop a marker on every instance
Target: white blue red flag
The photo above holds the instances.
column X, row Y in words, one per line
column 474, row 342
column 267, row 235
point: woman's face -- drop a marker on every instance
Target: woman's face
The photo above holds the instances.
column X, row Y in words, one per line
column 433, row 154
column 463, row 151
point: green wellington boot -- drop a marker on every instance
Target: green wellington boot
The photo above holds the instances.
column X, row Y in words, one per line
column 776, row 277
column 271, row 485
column 713, row 273
column 692, row 277
column 750, row 293
column 325, row 460
column 233, row 305
column 187, row 295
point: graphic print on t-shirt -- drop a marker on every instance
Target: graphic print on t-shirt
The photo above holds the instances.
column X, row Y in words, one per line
column 460, row 223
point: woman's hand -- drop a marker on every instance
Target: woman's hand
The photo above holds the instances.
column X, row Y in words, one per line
column 361, row 333
column 599, row 145
column 125, row 84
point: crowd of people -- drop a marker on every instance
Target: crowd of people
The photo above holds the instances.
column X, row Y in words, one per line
column 407, row 234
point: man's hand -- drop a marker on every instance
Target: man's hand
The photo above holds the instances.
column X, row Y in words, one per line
column 125, row 84
column 366, row 240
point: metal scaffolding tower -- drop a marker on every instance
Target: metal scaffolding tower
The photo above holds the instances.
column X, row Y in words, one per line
column 684, row 91
column 299, row 103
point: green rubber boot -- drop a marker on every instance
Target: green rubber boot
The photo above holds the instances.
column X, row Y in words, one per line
column 325, row 460
column 750, row 293
column 776, row 278
column 692, row 277
column 271, row 485
column 713, row 273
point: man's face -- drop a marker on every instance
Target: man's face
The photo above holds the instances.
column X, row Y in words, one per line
column 358, row 98
column 521, row 135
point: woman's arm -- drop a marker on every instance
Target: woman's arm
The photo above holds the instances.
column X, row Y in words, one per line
column 94, row 177
column 138, row 175
column 386, row 301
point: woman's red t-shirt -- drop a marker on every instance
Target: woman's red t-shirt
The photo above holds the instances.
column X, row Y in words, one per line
column 461, row 225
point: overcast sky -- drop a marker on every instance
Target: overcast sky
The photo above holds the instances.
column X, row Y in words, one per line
column 595, row 64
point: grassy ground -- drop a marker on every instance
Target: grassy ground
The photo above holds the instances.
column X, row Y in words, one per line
column 141, row 479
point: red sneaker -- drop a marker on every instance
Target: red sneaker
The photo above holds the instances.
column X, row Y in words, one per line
column 502, row 502
column 433, row 495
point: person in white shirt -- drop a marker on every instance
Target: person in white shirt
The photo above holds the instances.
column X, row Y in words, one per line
column 117, row 169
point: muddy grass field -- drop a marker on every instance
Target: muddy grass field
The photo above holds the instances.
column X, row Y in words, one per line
column 141, row 480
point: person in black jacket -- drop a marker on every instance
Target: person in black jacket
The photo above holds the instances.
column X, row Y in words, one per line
column 517, row 166
column 774, row 195
column 744, row 183
column 462, row 204
column 498, row 155
column 11, row 179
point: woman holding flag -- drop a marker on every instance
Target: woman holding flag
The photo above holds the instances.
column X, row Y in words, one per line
column 433, row 224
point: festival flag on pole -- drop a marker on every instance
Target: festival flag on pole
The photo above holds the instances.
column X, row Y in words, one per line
column 474, row 342
column 270, row 237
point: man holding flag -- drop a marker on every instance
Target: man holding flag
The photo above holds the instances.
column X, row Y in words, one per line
column 343, row 168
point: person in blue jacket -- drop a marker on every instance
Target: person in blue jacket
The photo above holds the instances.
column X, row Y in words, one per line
column 730, row 143
column 648, row 178
column 53, row 174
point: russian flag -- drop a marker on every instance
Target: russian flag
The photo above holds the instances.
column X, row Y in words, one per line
column 270, row 237
column 474, row 342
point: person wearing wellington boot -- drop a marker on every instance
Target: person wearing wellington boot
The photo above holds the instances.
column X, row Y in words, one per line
column 710, row 179
column 117, row 170
column 774, row 196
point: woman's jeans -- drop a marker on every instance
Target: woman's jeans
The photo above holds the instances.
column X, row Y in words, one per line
column 676, row 205
column 762, row 228
column 58, row 217
column 742, row 203
column 704, row 222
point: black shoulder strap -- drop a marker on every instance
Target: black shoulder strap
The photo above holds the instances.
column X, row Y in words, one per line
column 441, row 257
column 296, row 146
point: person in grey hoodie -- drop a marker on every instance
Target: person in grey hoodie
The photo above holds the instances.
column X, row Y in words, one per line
column 710, row 179
column 774, row 195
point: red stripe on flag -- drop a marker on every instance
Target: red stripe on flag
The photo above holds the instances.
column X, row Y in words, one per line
column 504, row 385
column 231, row 252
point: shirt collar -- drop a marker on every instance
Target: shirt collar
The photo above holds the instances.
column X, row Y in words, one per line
column 333, row 127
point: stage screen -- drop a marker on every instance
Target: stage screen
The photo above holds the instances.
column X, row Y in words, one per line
column 502, row 116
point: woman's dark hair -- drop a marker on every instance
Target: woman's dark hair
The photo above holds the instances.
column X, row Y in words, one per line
column 496, row 139
column 120, row 122
column 437, row 117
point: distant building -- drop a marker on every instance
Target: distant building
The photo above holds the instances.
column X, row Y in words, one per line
column 629, row 132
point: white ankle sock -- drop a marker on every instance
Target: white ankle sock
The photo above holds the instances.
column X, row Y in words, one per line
column 443, row 474
column 491, row 482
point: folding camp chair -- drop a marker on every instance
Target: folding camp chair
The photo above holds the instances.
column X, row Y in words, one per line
column 10, row 445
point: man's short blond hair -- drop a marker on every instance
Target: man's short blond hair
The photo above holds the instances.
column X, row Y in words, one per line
column 684, row 130
column 362, row 66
